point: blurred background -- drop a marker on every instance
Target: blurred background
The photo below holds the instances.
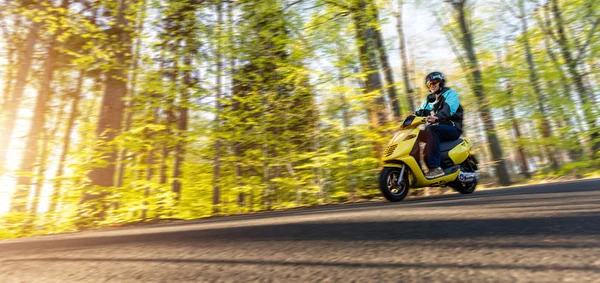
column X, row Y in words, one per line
column 117, row 112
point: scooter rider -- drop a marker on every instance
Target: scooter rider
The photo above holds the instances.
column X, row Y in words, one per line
column 444, row 116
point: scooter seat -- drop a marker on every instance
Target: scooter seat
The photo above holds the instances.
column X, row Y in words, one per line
column 447, row 146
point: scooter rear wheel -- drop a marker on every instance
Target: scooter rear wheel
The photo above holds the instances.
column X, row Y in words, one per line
column 388, row 183
column 464, row 189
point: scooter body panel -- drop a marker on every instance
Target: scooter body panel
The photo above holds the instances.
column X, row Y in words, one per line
column 460, row 153
column 401, row 144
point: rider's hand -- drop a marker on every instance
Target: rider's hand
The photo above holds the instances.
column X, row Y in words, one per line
column 431, row 119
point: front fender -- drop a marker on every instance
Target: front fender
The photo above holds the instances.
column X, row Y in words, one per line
column 418, row 180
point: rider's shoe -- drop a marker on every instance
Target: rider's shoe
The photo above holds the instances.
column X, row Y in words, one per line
column 434, row 173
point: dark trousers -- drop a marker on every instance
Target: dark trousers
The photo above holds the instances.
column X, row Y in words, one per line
column 433, row 136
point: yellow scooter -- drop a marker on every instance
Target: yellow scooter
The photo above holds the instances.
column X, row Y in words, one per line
column 402, row 169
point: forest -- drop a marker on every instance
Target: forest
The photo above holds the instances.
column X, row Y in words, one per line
column 131, row 111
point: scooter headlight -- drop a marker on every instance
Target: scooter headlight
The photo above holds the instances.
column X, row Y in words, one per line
column 422, row 127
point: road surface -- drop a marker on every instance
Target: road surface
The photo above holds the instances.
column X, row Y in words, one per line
column 542, row 233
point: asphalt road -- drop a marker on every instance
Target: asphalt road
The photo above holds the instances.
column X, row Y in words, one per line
column 543, row 233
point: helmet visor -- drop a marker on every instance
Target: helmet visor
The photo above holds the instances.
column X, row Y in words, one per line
column 433, row 82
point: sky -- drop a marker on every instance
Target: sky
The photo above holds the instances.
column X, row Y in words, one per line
column 425, row 42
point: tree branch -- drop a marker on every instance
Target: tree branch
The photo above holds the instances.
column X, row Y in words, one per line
column 551, row 54
column 548, row 22
column 292, row 4
column 336, row 16
column 545, row 25
column 452, row 39
column 590, row 35
column 337, row 4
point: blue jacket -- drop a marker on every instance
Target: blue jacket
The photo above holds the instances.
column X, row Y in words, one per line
column 447, row 109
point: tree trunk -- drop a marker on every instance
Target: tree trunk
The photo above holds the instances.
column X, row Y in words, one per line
column 348, row 141
column 111, row 113
column 237, row 151
column 413, row 75
column 37, row 127
column 386, row 68
column 563, row 114
column 123, row 155
column 403, row 57
column 163, row 164
column 46, row 150
column 11, row 108
column 533, row 77
column 266, row 174
column 182, row 126
column 585, row 95
column 319, row 177
column 574, row 154
column 40, row 176
column 150, row 159
column 172, row 76
column 367, row 46
column 389, row 77
column 218, row 110
column 149, row 176
column 518, row 136
column 187, row 34
column 74, row 113
column 38, row 122
column 10, row 77
column 485, row 113
column 454, row 39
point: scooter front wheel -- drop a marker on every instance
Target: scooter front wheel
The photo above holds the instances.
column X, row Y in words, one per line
column 391, row 189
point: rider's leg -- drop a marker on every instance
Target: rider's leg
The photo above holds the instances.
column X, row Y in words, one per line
column 434, row 135
column 432, row 147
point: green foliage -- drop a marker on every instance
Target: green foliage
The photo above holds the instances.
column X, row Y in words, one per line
column 291, row 126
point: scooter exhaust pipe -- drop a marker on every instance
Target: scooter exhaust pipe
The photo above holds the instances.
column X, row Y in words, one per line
column 465, row 177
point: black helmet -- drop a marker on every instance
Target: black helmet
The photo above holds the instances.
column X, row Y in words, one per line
column 435, row 76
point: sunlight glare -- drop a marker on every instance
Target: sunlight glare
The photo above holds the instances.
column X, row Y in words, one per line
column 8, row 180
